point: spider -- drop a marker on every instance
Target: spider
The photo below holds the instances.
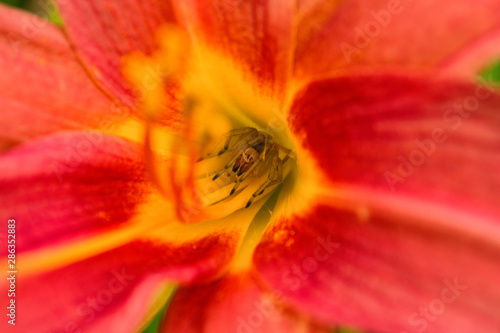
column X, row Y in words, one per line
column 254, row 153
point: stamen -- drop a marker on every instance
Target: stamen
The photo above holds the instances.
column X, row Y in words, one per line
column 247, row 159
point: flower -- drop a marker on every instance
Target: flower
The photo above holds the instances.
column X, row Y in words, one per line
column 387, row 220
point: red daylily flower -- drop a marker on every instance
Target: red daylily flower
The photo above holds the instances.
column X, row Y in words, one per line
column 387, row 219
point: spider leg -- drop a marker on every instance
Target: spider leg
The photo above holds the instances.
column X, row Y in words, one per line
column 247, row 131
column 240, row 131
column 242, row 145
column 275, row 177
column 233, row 160
column 246, row 142
column 227, row 166
column 288, row 153
column 242, row 178
column 228, row 196
column 260, row 166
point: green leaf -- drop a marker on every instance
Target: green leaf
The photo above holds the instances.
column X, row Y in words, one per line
column 154, row 324
column 492, row 74
column 43, row 8
column 15, row 3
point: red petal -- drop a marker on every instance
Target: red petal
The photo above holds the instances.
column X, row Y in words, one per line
column 104, row 31
column 111, row 292
column 434, row 141
column 356, row 34
column 256, row 36
column 334, row 266
column 232, row 304
column 474, row 58
column 361, row 248
column 42, row 87
column 70, row 184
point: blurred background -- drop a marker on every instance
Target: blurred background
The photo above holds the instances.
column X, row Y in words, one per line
column 38, row 7
column 44, row 8
column 47, row 10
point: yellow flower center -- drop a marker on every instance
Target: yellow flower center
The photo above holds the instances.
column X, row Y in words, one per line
column 259, row 169
column 232, row 148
